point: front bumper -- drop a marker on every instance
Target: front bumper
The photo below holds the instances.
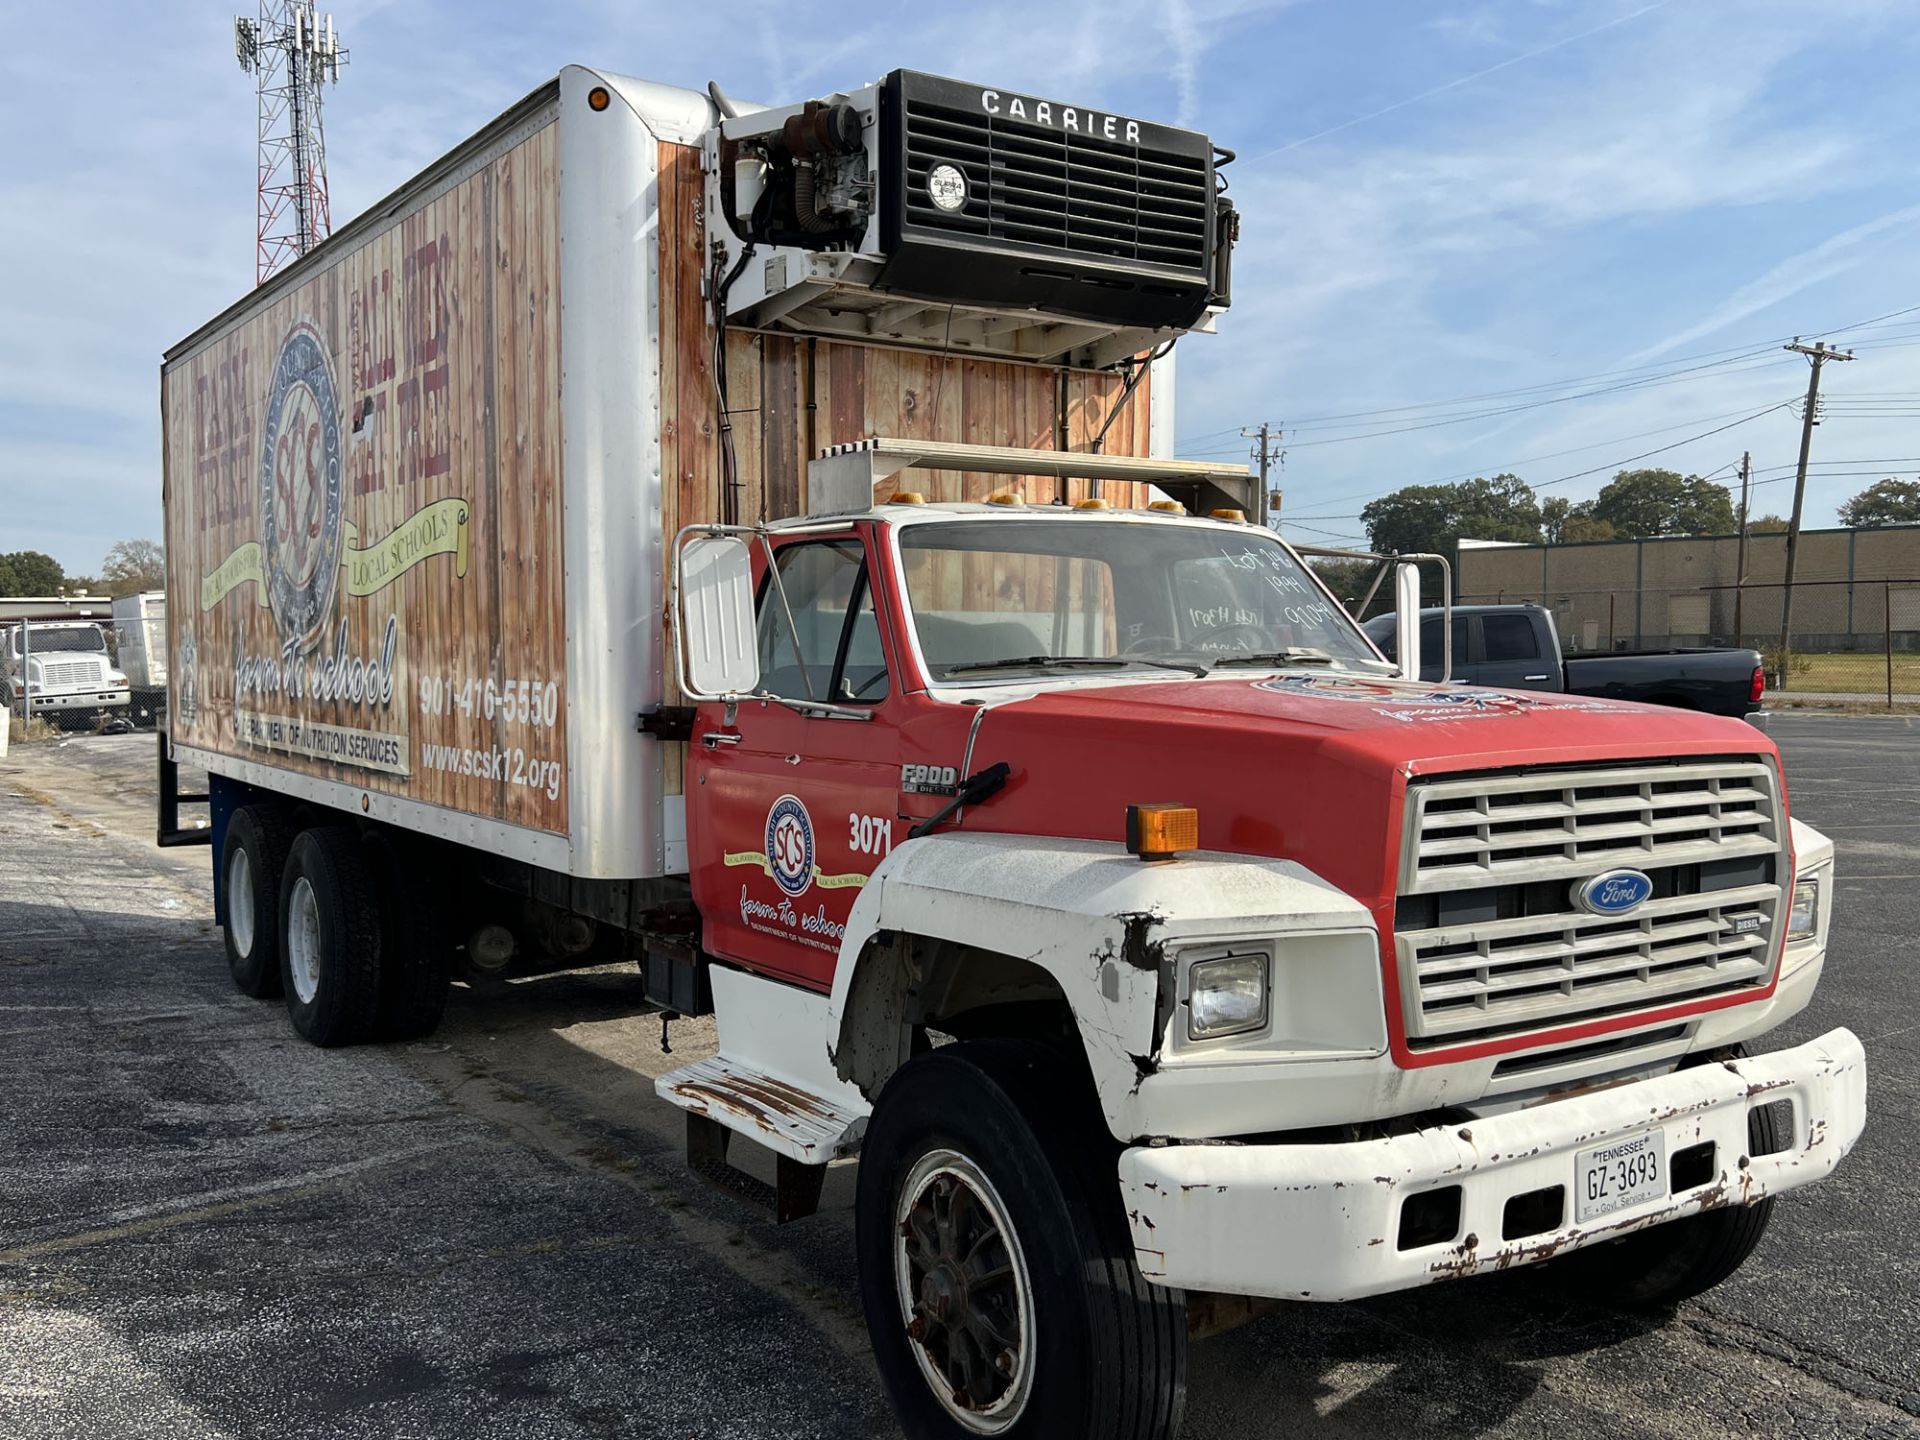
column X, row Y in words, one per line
column 80, row 700
column 1322, row 1222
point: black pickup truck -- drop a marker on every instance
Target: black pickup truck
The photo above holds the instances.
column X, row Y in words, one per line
column 1517, row 648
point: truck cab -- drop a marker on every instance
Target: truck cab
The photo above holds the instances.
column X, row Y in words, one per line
column 1370, row 982
column 60, row 671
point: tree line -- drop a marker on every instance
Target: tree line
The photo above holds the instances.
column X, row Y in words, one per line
column 1634, row 505
column 130, row 566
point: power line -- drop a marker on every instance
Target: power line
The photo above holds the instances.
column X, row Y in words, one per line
column 1597, row 469
column 1509, row 466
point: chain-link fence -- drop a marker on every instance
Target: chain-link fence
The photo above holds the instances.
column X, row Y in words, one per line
column 107, row 676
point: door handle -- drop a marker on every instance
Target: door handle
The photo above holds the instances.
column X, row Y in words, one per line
column 1533, row 677
column 714, row 739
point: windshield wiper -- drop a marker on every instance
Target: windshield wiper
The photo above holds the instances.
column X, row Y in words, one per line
column 1292, row 655
column 1070, row 662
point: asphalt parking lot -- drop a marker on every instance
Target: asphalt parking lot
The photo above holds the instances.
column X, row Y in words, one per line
column 209, row 1229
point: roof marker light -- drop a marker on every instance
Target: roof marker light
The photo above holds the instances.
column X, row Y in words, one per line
column 1160, row 832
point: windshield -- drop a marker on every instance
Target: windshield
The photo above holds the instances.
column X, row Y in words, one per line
column 1044, row 594
column 46, row 639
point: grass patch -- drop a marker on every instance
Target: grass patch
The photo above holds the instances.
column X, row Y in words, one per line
column 1860, row 672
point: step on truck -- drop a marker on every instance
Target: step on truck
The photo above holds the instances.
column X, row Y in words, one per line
column 745, row 542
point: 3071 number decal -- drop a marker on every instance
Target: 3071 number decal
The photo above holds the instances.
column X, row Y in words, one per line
column 869, row 834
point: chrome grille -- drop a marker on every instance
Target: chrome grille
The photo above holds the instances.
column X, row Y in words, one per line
column 1073, row 193
column 71, row 672
column 1491, row 942
column 1578, row 823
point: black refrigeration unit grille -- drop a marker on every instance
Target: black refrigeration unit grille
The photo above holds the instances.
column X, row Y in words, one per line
column 1083, row 213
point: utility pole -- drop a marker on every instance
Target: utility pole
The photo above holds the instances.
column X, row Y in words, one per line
column 1817, row 355
column 1740, row 563
column 1267, row 454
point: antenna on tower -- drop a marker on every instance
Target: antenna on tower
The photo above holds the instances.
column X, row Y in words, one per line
column 292, row 54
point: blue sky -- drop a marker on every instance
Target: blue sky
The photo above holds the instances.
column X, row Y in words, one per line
column 1441, row 201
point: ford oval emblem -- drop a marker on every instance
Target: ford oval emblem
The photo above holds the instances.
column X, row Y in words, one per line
column 1616, row 892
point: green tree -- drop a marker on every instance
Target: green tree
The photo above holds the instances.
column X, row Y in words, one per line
column 1767, row 525
column 1585, row 530
column 134, row 565
column 1566, row 522
column 1349, row 579
column 1885, row 502
column 1644, row 503
column 28, row 572
column 1434, row 517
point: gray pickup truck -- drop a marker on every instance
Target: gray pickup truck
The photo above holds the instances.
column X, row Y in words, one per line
column 1517, row 648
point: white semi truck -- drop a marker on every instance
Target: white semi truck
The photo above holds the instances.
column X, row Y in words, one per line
column 746, row 541
column 61, row 671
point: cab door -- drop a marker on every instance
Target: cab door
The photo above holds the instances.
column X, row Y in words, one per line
column 1511, row 652
column 788, row 810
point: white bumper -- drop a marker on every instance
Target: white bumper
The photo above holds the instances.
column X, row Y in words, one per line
column 1322, row 1222
column 79, row 700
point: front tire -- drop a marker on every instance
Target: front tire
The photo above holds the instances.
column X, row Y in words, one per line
column 1656, row 1269
column 330, row 938
column 996, row 1268
column 253, row 856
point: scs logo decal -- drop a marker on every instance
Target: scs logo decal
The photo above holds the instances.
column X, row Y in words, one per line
column 789, row 845
column 300, row 488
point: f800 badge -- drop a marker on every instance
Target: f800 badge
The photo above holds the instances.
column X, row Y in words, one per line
column 300, row 488
column 789, row 842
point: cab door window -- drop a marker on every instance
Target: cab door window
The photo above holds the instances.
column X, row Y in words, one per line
column 823, row 643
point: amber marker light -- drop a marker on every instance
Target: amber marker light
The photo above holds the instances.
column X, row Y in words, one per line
column 1092, row 502
column 1160, row 832
column 1233, row 517
column 908, row 497
column 1167, row 507
column 597, row 98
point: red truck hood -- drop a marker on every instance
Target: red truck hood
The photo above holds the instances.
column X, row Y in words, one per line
column 1307, row 767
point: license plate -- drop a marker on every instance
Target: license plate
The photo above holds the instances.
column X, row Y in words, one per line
column 1619, row 1174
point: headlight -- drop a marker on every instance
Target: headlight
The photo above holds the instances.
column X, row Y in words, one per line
column 1227, row 996
column 1805, row 917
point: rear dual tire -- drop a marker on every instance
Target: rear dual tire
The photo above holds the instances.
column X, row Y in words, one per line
column 252, row 862
column 349, row 930
column 330, row 949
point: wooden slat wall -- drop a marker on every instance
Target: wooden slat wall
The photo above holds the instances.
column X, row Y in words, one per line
column 458, row 304
column 856, row 391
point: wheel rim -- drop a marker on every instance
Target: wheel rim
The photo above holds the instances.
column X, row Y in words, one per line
column 303, row 940
column 240, row 901
column 964, row 1292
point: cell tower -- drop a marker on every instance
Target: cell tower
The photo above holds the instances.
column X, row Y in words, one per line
column 292, row 53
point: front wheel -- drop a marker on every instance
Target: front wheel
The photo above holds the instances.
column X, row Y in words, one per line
column 1658, row 1268
column 996, row 1268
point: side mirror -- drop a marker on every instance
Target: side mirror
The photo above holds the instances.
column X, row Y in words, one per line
column 718, row 653
column 1406, row 617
